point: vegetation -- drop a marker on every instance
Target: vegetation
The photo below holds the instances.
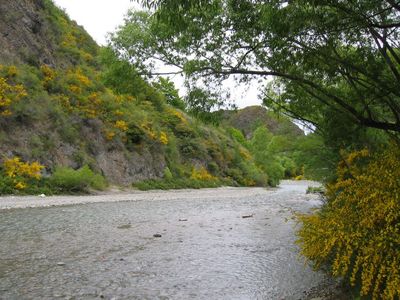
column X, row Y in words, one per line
column 335, row 66
column 67, row 180
column 92, row 99
column 357, row 233
column 18, row 177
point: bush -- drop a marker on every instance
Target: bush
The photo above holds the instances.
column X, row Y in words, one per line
column 68, row 180
column 6, row 185
column 274, row 171
column 20, row 177
column 357, row 232
column 181, row 183
column 167, row 174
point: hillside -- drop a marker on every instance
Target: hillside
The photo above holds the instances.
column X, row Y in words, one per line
column 64, row 102
column 37, row 32
column 249, row 118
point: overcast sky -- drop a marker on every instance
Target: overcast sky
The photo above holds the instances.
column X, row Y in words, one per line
column 100, row 17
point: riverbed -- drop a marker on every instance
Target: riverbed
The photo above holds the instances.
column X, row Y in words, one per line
column 225, row 243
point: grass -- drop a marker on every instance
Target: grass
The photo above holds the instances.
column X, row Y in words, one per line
column 315, row 190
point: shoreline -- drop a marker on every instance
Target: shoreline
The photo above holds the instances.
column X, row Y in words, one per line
column 38, row 201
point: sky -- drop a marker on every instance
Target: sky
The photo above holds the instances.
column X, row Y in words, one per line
column 100, row 17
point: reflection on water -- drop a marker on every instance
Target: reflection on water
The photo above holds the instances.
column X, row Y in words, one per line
column 206, row 249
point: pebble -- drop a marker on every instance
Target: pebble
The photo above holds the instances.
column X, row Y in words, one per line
column 60, row 263
column 247, row 216
column 157, row 235
column 125, row 226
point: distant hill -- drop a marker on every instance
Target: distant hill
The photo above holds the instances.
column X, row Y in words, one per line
column 249, row 118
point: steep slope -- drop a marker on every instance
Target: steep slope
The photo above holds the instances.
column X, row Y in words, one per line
column 56, row 108
column 36, row 32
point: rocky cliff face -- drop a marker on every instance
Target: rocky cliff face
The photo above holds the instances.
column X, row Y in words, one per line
column 24, row 32
column 43, row 141
column 28, row 33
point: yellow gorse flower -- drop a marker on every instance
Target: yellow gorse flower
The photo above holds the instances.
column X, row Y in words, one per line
column 357, row 233
column 20, row 185
column 163, row 138
column 201, row 174
column 15, row 167
column 121, row 125
column 8, row 95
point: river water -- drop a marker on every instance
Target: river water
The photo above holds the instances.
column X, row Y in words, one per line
column 228, row 243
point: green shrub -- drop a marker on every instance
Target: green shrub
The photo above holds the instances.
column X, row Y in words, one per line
column 167, row 174
column 181, row 183
column 238, row 136
column 275, row 172
column 213, row 168
column 6, row 185
column 315, row 190
column 68, row 180
column 290, row 168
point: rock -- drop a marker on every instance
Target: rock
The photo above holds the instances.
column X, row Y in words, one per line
column 182, row 220
column 61, row 263
column 157, row 235
column 247, row 216
column 124, row 226
column 42, row 195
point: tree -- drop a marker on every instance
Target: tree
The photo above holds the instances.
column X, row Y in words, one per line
column 171, row 94
column 338, row 58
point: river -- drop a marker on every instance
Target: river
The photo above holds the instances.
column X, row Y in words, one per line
column 226, row 243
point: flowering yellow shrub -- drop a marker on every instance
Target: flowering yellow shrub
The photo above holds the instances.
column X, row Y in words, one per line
column 177, row 114
column 69, row 40
column 48, row 73
column 89, row 112
column 118, row 113
column 77, row 77
column 73, row 88
column 245, row 153
column 201, row 174
column 163, row 138
column 249, row 182
column 65, row 102
column 109, row 135
column 21, row 171
column 20, row 185
column 147, row 128
column 15, row 167
column 12, row 71
column 357, row 233
column 8, row 95
column 121, row 125
column 83, row 80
